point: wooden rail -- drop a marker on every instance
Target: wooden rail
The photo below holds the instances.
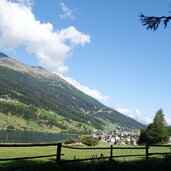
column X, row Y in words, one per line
column 60, row 146
column 103, row 148
column 111, row 148
column 57, row 155
column 29, row 144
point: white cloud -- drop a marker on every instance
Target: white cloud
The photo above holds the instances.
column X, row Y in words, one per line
column 123, row 110
column 19, row 27
column 62, row 69
column 87, row 90
column 168, row 121
column 74, row 36
column 135, row 114
column 67, row 12
column 28, row 3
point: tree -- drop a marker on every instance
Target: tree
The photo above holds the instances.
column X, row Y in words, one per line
column 89, row 141
column 153, row 22
column 159, row 118
column 169, row 129
column 156, row 132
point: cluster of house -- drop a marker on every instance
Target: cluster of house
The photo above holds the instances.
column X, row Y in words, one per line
column 120, row 137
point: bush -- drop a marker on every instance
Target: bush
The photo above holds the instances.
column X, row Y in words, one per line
column 10, row 127
column 89, row 141
column 70, row 141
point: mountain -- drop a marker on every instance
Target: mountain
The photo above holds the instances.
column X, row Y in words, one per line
column 3, row 55
column 32, row 98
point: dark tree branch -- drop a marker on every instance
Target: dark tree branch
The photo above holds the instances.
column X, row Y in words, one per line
column 152, row 22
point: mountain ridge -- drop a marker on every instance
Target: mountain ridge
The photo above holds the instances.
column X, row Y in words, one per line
column 2, row 55
column 50, row 92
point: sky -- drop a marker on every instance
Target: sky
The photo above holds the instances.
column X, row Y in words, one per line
column 100, row 47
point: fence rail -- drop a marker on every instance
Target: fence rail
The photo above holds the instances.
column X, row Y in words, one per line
column 111, row 149
column 29, row 144
column 24, row 158
column 57, row 155
column 103, row 148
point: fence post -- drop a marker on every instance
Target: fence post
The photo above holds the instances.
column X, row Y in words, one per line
column 147, row 147
column 111, row 152
column 58, row 153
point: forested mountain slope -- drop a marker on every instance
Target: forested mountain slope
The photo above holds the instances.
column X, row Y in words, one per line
column 43, row 100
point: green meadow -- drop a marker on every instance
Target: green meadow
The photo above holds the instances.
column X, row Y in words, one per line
column 72, row 154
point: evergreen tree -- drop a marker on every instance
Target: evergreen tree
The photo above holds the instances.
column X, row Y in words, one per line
column 153, row 22
column 159, row 118
column 156, row 132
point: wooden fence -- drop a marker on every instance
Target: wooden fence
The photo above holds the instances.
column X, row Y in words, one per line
column 110, row 157
column 57, row 155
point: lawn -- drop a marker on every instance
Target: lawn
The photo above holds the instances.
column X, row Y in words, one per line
column 70, row 154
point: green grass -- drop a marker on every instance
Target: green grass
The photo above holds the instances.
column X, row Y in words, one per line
column 11, row 119
column 22, row 124
column 125, row 164
column 57, row 123
column 11, row 152
column 80, row 154
column 70, row 154
column 52, row 115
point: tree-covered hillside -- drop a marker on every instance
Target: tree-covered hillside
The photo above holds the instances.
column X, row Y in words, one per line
column 36, row 95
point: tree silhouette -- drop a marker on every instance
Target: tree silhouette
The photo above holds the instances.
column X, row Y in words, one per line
column 153, row 22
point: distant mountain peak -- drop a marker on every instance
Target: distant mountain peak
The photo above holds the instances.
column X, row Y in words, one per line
column 3, row 55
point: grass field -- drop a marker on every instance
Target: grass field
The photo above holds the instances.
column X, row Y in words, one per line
column 71, row 154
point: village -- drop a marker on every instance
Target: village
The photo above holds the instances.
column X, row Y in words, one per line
column 118, row 137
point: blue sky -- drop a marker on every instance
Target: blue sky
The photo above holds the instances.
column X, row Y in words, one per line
column 101, row 48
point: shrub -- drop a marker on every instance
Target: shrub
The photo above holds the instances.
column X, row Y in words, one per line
column 89, row 141
column 70, row 141
column 10, row 127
